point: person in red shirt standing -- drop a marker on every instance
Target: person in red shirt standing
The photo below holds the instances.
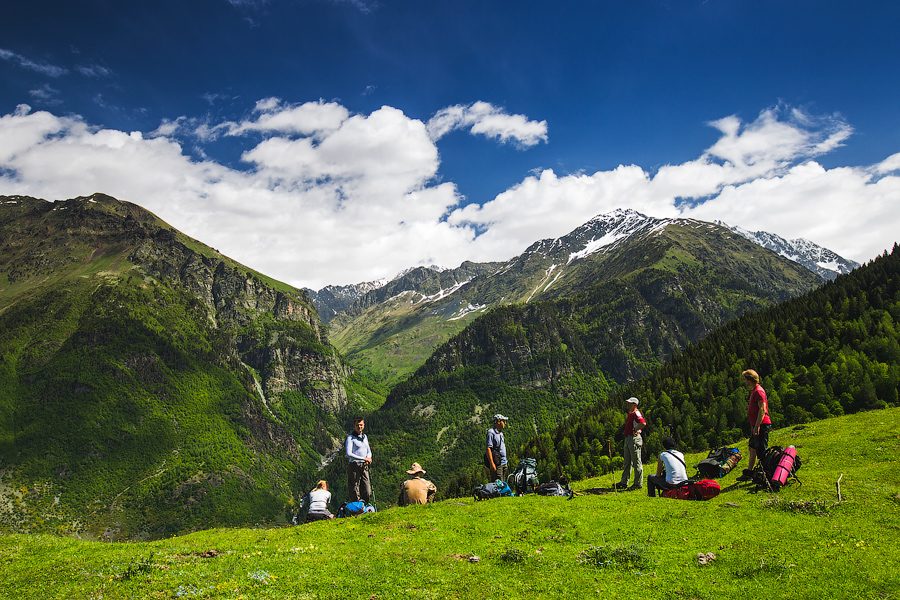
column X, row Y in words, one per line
column 760, row 423
column 634, row 422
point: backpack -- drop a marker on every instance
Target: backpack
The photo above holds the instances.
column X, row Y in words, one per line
column 354, row 509
column 704, row 489
column 495, row 489
column 719, row 462
column 778, row 466
column 524, row 478
column 552, row 488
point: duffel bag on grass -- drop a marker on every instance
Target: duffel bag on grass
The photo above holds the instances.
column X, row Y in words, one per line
column 703, row 489
column 354, row 509
column 719, row 462
column 495, row 489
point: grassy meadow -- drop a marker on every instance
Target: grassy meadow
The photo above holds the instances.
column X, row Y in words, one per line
column 800, row 543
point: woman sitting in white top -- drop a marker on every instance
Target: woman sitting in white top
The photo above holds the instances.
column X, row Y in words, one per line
column 671, row 464
column 318, row 503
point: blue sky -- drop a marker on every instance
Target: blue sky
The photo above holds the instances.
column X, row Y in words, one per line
column 337, row 141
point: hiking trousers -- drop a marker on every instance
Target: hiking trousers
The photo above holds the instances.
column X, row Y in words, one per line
column 359, row 487
column 633, row 446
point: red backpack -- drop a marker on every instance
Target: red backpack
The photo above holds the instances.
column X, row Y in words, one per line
column 703, row 489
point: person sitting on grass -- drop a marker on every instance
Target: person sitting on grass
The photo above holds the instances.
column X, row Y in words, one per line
column 416, row 490
column 670, row 469
column 318, row 503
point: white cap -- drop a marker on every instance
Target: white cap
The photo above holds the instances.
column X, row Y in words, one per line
column 632, row 400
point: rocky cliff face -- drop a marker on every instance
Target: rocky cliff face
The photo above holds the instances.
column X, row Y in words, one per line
column 274, row 328
column 298, row 358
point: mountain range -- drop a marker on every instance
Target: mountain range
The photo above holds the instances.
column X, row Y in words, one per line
column 390, row 328
column 150, row 385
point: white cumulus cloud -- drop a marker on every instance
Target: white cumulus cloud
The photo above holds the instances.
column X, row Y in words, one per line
column 488, row 120
column 331, row 197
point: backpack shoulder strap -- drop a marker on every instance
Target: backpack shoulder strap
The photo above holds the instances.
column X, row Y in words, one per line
column 676, row 457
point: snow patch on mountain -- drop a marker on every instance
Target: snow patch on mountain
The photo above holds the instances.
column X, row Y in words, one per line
column 826, row 263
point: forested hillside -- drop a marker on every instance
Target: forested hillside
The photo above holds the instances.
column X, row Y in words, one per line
column 833, row 351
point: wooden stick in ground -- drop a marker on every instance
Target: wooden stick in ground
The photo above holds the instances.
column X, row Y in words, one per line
column 838, row 484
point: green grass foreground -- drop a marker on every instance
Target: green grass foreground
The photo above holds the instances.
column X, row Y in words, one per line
column 800, row 543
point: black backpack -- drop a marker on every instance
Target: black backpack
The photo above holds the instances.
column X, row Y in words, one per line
column 719, row 462
column 495, row 489
column 765, row 476
column 524, row 478
column 553, row 488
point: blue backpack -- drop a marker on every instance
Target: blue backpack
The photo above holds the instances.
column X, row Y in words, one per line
column 495, row 489
column 354, row 509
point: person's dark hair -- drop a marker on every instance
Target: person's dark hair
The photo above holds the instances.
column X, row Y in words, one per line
column 357, row 420
column 668, row 442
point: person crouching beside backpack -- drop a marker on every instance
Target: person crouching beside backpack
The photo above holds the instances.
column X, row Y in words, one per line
column 670, row 469
column 416, row 490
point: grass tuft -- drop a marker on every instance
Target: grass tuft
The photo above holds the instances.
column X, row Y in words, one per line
column 631, row 556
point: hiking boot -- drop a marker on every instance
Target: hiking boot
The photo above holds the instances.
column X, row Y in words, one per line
column 634, row 487
column 620, row 486
column 747, row 475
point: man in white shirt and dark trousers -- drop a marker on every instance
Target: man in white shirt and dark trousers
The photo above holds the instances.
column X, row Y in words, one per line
column 359, row 487
column 670, row 469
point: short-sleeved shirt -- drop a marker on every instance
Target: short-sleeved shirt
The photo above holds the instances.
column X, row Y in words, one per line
column 676, row 472
column 415, row 491
column 318, row 500
column 496, row 441
column 758, row 399
column 632, row 418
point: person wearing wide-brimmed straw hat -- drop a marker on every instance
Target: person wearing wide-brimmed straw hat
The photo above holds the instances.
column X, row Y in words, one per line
column 417, row 490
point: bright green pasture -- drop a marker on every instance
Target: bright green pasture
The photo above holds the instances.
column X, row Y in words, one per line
column 796, row 544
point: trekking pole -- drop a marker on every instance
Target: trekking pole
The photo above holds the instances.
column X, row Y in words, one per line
column 371, row 487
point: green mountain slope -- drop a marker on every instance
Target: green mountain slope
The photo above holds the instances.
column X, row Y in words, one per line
column 148, row 384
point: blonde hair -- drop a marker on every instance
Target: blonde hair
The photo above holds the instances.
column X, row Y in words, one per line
column 751, row 374
column 322, row 485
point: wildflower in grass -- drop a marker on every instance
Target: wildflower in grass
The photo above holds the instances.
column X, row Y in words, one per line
column 260, row 576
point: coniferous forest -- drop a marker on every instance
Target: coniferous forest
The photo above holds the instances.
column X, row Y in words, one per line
column 832, row 351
